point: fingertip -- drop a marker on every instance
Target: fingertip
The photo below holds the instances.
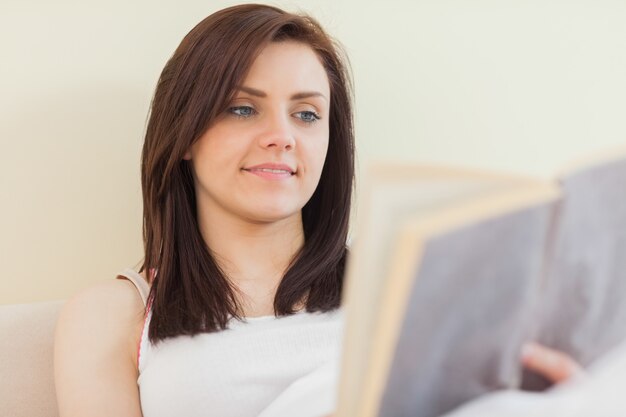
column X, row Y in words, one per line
column 552, row 364
column 529, row 350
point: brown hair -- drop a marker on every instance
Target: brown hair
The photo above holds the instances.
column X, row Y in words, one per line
column 190, row 293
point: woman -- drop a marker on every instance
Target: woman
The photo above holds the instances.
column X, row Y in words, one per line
column 247, row 171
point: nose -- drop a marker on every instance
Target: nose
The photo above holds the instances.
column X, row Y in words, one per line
column 277, row 133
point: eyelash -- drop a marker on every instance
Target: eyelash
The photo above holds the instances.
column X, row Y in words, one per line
column 235, row 109
column 312, row 116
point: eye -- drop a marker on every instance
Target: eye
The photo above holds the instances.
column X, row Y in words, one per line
column 308, row 116
column 242, row 111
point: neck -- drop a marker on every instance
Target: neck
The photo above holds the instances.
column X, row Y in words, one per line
column 254, row 256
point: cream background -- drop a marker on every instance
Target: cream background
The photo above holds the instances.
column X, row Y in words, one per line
column 517, row 85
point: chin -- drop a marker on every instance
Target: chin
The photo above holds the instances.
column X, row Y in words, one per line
column 274, row 214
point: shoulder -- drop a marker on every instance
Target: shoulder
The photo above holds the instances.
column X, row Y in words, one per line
column 109, row 314
column 115, row 299
column 95, row 350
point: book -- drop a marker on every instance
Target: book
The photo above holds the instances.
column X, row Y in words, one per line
column 583, row 309
column 453, row 269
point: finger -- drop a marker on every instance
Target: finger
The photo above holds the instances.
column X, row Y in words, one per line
column 554, row 365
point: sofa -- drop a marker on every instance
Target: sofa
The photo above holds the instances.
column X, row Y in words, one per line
column 26, row 355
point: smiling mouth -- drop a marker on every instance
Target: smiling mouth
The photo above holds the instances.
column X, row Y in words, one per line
column 270, row 173
column 275, row 171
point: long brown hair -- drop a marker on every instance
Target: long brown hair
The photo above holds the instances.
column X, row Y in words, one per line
column 190, row 293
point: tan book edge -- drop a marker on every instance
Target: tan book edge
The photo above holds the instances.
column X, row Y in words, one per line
column 369, row 384
column 377, row 174
column 594, row 159
column 406, row 260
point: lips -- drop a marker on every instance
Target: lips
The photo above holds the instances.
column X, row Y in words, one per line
column 271, row 169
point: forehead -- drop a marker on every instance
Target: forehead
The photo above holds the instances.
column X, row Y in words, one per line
column 288, row 66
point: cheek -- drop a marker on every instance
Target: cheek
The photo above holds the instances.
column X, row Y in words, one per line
column 318, row 147
column 215, row 152
column 322, row 155
column 317, row 156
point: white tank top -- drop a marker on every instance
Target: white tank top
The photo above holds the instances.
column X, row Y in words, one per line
column 242, row 371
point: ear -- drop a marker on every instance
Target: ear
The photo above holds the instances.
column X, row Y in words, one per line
column 187, row 156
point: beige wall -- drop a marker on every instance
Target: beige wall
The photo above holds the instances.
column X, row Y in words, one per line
column 517, row 85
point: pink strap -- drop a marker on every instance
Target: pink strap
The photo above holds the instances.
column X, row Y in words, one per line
column 144, row 289
column 140, row 283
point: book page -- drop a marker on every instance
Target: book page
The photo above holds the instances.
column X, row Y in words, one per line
column 390, row 198
column 393, row 197
column 467, row 311
column 584, row 308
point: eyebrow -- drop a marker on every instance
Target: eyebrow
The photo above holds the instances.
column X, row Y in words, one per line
column 296, row 96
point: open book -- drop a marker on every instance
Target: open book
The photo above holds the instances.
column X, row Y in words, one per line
column 453, row 270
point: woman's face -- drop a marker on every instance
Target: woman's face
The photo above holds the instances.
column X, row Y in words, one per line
column 262, row 159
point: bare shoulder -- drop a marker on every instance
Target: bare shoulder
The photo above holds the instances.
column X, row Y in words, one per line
column 112, row 303
column 122, row 292
column 95, row 350
column 108, row 312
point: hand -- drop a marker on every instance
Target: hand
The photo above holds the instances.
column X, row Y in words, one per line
column 554, row 365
